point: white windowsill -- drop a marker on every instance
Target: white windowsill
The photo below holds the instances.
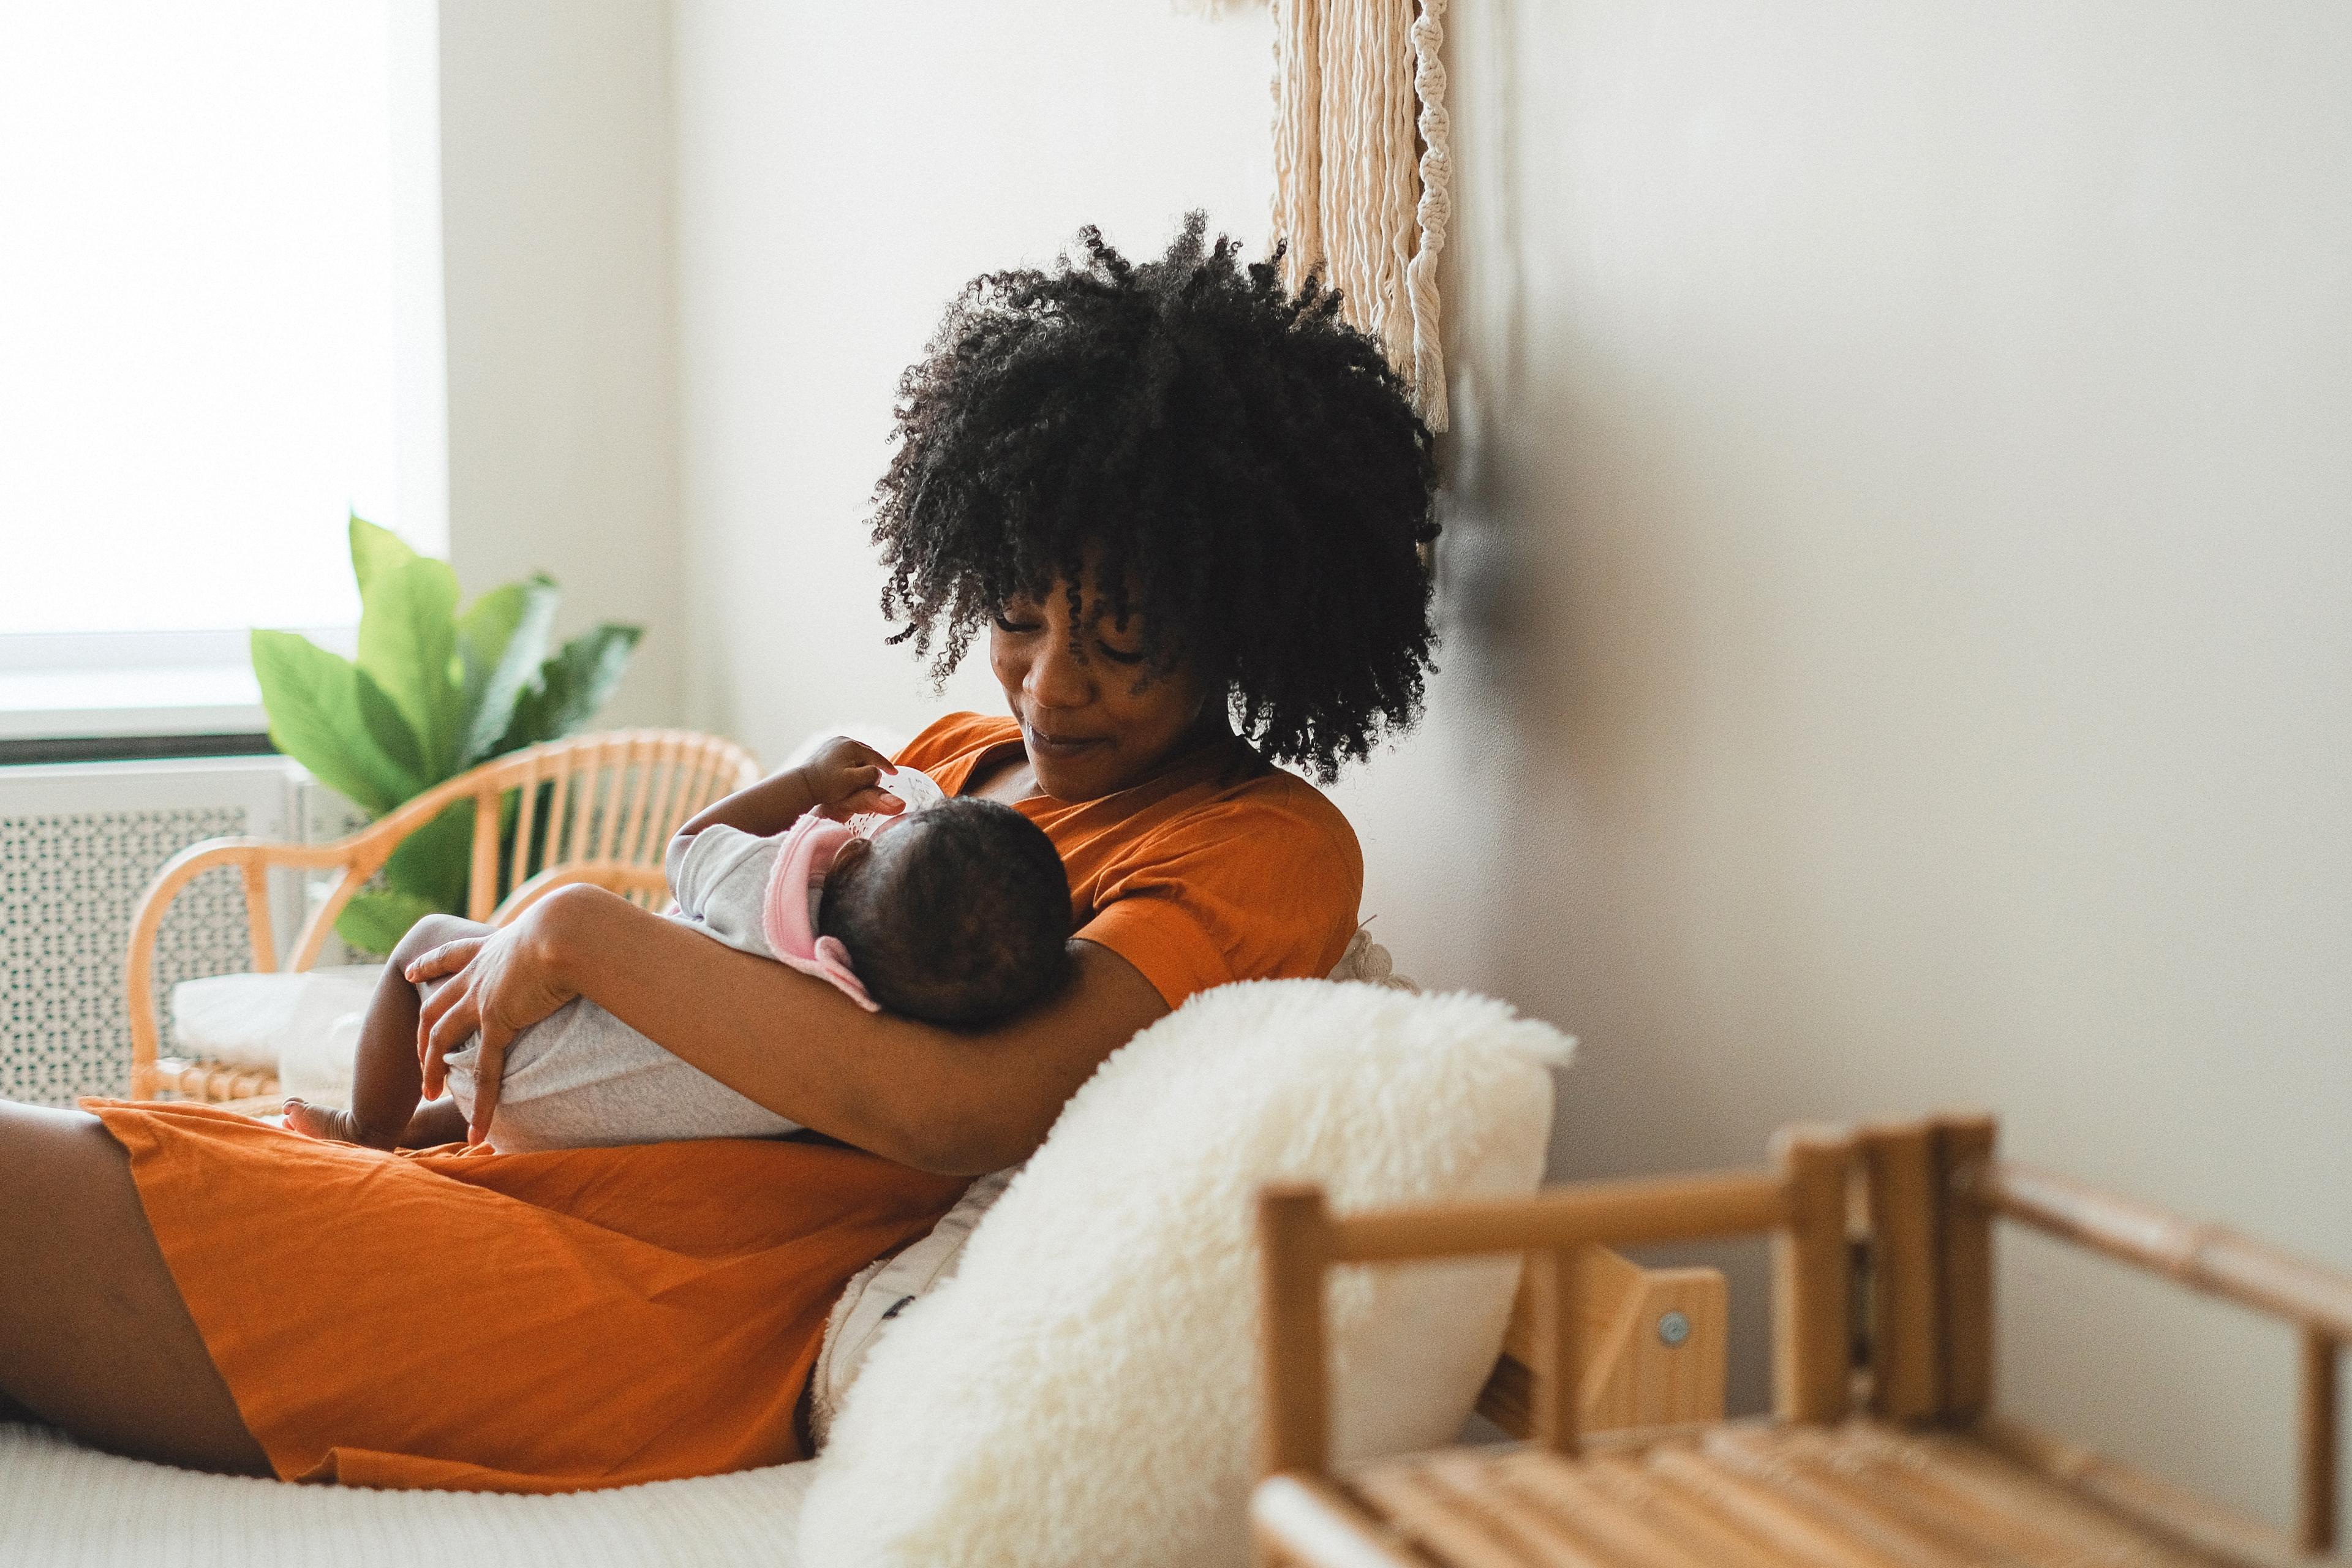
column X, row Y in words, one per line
column 101, row 685
column 53, row 704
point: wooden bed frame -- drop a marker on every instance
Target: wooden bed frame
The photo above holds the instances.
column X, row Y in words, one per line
column 1891, row 1308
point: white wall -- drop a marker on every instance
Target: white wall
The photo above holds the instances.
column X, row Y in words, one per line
column 842, row 171
column 556, row 177
column 1922, row 446
column 1896, row 571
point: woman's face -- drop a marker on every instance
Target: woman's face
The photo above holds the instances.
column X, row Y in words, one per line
column 1093, row 721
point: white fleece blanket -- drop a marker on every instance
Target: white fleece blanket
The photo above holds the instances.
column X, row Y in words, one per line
column 1082, row 1394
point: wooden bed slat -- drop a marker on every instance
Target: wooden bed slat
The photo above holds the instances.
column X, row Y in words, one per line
column 1569, row 1506
column 2009, row 1509
column 1533, row 1534
column 1625, row 1481
column 1463, row 1536
column 2202, row 1528
column 1759, row 1509
column 1854, row 1512
column 1305, row 1518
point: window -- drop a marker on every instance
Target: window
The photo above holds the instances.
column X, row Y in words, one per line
column 220, row 297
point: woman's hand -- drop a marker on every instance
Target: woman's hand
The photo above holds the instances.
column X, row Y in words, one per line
column 496, row 986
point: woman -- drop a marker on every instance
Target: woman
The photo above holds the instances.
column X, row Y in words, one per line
column 1185, row 509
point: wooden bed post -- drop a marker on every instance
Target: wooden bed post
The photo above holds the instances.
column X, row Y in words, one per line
column 1811, row 1343
column 2316, row 1447
column 1964, row 1148
column 1906, row 1362
column 1294, row 1236
column 1560, row 1358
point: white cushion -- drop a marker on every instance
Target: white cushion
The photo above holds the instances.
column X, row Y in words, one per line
column 253, row 1019
column 1083, row 1390
column 319, row 1065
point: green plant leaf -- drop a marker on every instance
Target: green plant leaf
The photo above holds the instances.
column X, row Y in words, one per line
column 315, row 711
column 501, row 642
column 409, row 645
column 386, row 728
column 572, row 686
column 433, row 863
column 374, row 922
column 375, row 551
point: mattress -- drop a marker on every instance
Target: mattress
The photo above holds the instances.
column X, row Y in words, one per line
column 66, row 1506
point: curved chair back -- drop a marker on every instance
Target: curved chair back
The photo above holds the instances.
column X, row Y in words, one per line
column 594, row 808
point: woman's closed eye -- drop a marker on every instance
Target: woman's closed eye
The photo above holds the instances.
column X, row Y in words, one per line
column 1014, row 625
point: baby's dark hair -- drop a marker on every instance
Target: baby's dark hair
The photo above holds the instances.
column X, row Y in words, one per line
column 960, row 915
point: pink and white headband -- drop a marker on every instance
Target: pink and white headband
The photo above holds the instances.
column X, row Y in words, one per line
column 788, row 911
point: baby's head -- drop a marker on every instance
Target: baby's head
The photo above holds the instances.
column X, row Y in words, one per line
column 959, row 914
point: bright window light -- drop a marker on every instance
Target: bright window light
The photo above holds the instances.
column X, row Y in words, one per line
column 200, row 370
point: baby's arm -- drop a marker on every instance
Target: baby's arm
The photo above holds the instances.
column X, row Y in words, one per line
column 720, row 877
column 386, row 1074
column 843, row 778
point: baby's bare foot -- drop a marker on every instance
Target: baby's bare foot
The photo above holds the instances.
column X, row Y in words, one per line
column 326, row 1122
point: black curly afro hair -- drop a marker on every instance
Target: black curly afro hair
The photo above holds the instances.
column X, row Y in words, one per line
column 1228, row 460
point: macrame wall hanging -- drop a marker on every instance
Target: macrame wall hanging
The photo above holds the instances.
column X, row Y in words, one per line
column 1362, row 172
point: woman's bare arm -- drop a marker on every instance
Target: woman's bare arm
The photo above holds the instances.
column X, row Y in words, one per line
column 955, row 1102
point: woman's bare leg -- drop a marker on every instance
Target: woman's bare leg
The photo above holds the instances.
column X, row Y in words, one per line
column 93, row 1335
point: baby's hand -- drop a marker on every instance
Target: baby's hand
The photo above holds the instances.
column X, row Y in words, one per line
column 844, row 779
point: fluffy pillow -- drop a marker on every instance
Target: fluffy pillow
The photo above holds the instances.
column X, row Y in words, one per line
column 1083, row 1391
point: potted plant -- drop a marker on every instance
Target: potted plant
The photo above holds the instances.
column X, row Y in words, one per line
column 433, row 692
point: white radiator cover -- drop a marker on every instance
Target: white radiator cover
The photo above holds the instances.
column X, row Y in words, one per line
column 78, row 844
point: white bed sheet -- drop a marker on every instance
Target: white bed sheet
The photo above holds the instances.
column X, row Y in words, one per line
column 64, row 1506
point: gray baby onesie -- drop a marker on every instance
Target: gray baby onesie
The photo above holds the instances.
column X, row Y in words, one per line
column 581, row 1076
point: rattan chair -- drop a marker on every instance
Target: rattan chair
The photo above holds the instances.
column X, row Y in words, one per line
column 610, row 803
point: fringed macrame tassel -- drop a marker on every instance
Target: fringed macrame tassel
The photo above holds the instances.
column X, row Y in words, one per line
column 1298, row 119
column 1436, row 213
column 1353, row 80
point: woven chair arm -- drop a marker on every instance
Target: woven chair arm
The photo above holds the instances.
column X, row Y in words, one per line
column 646, row 885
column 253, row 859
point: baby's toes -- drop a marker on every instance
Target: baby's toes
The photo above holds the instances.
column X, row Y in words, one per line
column 321, row 1122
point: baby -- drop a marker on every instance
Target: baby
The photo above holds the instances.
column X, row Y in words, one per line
column 955, row 911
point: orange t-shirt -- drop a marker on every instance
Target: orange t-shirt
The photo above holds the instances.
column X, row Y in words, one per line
column 600, row 1317
column 1222, row 868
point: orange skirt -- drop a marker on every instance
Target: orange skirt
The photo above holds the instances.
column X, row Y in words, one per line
column 539, row 1322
